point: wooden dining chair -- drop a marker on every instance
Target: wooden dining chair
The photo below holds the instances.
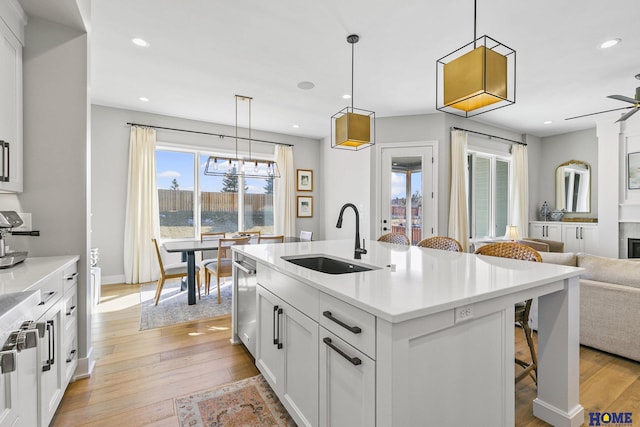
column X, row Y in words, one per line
column 271, row 239
column 441, row 242
column 172, row 271
column 395, row 237
column 222, row 265
column 522, row 309
column 210, row 255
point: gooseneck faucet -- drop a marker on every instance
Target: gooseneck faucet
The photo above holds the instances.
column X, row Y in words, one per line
column 358, row 250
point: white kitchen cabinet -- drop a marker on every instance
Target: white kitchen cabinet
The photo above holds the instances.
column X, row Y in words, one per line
column 347, row 384
column 287, row 355
column 10, row 110
column 51, row 375
column 8, row 389
column 545, row 230
column 580, row 238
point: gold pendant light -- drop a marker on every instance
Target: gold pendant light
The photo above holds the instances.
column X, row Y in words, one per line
column 476, row 78
column 353, row 128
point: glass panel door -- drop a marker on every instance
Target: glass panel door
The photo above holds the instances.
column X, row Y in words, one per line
column 406, row 180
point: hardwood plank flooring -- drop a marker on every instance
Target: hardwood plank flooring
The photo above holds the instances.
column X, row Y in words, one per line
column 139, row 373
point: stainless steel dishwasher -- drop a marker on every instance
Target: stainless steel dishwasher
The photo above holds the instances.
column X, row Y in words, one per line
column 244, row 305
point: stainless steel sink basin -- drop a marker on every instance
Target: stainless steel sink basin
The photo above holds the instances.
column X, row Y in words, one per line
column 326, row 264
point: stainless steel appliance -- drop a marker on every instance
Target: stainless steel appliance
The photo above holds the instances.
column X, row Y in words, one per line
column 244, row 301
column 8, row 221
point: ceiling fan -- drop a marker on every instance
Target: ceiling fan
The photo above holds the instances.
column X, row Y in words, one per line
column 635, row 101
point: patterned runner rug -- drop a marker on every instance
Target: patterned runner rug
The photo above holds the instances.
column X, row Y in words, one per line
column 173, row 307
column 247, row 403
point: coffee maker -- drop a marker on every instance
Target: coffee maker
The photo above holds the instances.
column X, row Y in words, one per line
column 8, row 221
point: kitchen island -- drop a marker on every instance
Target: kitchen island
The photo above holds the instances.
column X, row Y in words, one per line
column 425, row 337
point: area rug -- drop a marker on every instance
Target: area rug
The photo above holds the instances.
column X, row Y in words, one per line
column 247, row 403
column 173, row 307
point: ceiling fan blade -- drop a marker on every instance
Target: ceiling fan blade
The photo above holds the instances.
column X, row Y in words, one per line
column 599, row 112
column 627, row 115
column 623, row 98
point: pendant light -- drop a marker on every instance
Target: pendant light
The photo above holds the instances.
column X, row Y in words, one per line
column 239, row 166
column 476, row 78
column 353, row 128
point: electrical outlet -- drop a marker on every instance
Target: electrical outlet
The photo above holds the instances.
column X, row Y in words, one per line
column 464, row 313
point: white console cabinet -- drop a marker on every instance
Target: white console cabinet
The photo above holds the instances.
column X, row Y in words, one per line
column 576, row 236
column 546, row 230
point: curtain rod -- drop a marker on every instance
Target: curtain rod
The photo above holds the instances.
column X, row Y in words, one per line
column 210, row 133
column 490, row 136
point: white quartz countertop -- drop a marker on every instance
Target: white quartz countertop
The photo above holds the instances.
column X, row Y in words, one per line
column 28, row 274
column 425, row 281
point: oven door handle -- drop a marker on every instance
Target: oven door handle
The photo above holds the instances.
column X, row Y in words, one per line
column 247, row 270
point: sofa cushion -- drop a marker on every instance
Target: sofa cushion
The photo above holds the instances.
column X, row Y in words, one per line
column 610, row 270
column 562, row 258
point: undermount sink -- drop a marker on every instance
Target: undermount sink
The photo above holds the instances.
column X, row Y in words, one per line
column 325, row 264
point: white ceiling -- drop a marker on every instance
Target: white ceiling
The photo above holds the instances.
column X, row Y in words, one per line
column 203, row 52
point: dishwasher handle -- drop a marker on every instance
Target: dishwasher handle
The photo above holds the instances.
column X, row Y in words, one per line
column 250, row 269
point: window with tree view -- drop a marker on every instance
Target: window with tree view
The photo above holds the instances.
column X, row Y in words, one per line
column 191, row 202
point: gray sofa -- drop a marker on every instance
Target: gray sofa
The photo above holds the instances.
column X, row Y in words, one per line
column 609, row 302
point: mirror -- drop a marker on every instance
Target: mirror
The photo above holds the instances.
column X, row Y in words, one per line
column 573, row 187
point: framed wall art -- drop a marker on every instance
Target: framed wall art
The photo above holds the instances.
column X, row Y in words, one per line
column 633, row 171
column 305, row 207
column 305, row 179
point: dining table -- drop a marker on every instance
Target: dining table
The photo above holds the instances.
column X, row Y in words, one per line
column 191, row 246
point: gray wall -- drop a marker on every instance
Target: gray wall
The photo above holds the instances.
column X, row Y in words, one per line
column 557, row 149
column 56, row 153
column 110, row 157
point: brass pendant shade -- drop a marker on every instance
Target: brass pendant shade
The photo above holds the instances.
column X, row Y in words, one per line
column 353, row 128
column 476, row 78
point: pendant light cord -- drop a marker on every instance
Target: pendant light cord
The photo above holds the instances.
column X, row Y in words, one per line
column 475, row 33
column 352, row 66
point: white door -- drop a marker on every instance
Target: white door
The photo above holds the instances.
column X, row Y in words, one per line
column 407, row 191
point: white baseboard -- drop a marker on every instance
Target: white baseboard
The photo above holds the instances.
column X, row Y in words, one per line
column 85, row 366
column 116, row 279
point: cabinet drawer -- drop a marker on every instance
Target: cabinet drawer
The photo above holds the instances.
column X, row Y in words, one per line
column 70, row 315
column 50, row 293
column 355, row 326
column 303, row 297
column 70, row 276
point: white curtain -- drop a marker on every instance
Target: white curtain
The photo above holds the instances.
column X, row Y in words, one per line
column 458, row 221
column 519, row 189
column 142, row 222
column 284, row 204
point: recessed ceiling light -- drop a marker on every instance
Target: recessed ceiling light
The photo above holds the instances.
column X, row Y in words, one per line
column 548, row 122
column 306, row 85
column 144, row 99
column 140, row 42
column 296, row 126
column 610, row 43
column 346, row 96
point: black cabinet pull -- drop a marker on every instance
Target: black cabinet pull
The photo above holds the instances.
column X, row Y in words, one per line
column 48, row 296
column 275, row 314
column 354, row 360
column 354, row 329
column 71, row 356
column 71, row 310
column 280, row 311
column 51, row 346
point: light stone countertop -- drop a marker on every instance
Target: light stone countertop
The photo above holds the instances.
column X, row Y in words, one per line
column 26, row 275
column 425, row 281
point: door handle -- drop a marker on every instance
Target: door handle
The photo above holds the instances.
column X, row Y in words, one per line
column 280, row 311
column 275, row 314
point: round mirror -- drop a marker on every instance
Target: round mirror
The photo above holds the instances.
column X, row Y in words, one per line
column 573, row 187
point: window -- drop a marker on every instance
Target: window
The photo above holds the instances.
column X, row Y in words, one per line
column 191, row 202
column 488, row 194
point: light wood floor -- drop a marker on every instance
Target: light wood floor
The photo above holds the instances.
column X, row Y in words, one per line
column 139, row 373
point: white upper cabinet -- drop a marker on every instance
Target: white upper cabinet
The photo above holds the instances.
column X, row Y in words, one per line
column 12, row 20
